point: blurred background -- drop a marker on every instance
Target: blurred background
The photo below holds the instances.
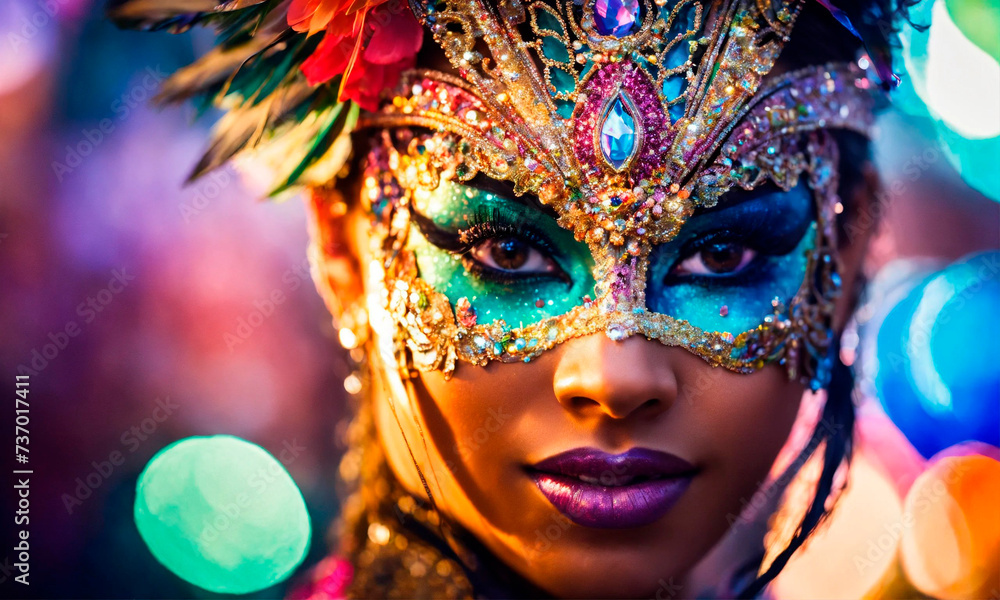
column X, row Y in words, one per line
column 167, row 289
column 141, row 307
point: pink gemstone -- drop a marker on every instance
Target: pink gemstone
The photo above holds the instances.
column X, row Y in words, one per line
column 616, row 17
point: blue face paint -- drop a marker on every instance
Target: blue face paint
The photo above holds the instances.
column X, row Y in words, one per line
column 729, row 264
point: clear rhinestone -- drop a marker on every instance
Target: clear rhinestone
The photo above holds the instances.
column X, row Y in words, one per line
column 616, row 332
column 618, row 138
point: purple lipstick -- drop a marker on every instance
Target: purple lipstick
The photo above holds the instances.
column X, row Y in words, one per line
column 613, row 491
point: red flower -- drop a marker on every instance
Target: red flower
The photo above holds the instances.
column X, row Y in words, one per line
column 369, row 42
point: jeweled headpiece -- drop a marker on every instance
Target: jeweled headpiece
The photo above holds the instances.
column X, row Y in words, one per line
column 625, row 118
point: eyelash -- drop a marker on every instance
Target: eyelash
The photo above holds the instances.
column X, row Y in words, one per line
column 493, row 223
column 743, row 238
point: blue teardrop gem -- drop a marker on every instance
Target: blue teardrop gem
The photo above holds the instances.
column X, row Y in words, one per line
column 618, row 137
column 616, row 17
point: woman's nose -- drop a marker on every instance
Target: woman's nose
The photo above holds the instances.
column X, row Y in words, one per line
column 597, row 375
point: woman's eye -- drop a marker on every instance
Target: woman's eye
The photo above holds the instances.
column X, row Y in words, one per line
column 512, row 255
column 723, row 258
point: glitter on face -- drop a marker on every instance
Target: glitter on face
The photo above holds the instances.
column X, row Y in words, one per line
column 475, row 294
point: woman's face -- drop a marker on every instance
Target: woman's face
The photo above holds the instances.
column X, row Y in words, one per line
column 600, row 468
column 609, row 463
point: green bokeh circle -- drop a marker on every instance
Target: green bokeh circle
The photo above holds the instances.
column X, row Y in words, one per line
column 222, row 513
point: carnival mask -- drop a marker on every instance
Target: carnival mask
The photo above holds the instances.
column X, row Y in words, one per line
column 654, row 186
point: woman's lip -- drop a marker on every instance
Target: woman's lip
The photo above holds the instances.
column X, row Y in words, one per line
column 596, row 464
column 601, row 490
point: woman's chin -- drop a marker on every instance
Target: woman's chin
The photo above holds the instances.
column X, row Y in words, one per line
column 602, row 576
column 610, row 568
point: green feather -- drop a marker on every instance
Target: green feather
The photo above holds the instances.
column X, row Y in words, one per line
column 342, row 118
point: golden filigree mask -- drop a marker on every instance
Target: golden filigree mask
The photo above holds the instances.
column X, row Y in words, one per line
column 632, row 126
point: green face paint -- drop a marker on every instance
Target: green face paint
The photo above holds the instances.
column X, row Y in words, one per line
column 770, row 233
column 469, row 234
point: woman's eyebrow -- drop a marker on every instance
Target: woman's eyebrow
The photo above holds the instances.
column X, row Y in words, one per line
column 435, row 234
column 505, row 189
column 796, row 203
column 737, row 196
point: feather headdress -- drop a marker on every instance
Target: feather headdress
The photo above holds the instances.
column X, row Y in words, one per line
column 292, row 75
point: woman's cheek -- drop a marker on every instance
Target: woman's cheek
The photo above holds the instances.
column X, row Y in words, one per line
column 481, row 425
column 471, row 423
column 745, row 421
